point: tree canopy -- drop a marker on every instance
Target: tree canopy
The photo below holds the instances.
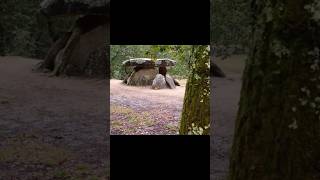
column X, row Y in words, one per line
column 25, row 32
column 230, row 22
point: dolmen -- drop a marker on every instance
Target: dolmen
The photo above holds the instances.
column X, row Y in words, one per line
column 148, row 72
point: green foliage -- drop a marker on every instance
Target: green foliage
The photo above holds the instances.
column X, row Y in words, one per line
column 230, row 26
column 195, row 117
column 25, row 32
column 195, row 130
column 61, row 174
column 120, row 53
column 180, row 53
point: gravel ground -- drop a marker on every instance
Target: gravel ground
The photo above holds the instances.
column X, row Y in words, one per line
column 142, row 110
column 51, row 127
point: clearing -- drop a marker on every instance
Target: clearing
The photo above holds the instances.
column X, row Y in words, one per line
column 51, row 127
column 141, row 110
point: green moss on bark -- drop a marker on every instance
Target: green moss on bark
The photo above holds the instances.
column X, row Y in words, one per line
column 196, row 106
column 277, row 132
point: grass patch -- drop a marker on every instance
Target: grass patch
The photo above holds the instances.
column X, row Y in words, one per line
column 121, row 110
column 173, row 127
column 61, row 174
column 27, row 152
column 79, row 171
column 129, row 121
column 140, row 119
column 82, row 169
column 32, row 151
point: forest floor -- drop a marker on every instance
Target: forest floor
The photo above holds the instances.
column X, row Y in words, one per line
column 51, row 127
column 142, row 110
column 226, row 97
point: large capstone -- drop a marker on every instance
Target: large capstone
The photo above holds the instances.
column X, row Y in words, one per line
column 165, row 62
column 74, row 7
column 139, row 62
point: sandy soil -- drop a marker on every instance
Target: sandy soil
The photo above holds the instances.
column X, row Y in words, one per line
column 50, row 127
column 142, row 110
column 226, row 94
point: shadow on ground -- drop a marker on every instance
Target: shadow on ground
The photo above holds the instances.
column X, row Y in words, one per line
column 226, row 94
column 51, row 128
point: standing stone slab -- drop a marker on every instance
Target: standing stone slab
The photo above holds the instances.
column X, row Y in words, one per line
column 170, row 82
column 159, row 82
column 176, row 82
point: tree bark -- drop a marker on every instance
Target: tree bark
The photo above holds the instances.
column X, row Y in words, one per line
column 277, row 131
column 196, row 106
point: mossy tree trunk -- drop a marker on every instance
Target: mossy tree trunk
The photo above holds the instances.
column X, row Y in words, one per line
column 277, row 132
column 196, row 106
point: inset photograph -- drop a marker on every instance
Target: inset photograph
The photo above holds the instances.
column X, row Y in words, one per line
column 160, row 90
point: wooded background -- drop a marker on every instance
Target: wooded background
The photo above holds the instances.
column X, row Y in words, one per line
column 179, row 53
column 230, row 26
column 24, row 31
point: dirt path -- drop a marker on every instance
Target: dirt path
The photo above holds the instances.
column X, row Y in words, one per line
column 226, row 94
column 141, row 110
column 51, row 128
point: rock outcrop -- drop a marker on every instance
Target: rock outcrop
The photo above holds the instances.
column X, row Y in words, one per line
column 170, row 82
column 82, row 50
column 75, row 7
column 142, row 77
column 147, row 72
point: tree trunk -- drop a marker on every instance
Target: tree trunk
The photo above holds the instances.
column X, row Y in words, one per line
column 196, row 106
column 277, row 132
